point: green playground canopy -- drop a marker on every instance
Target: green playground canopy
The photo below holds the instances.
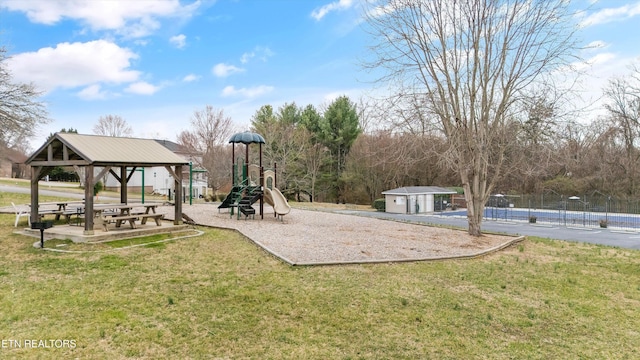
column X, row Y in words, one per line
column 247, row 138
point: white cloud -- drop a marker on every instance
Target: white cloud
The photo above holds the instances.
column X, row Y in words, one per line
column 596, row 45
column 224, row 70
column 190, row 78
column 246, row 92
column 142, row 88
column 322, row 11
column 246, row 57
column 602, row 58
column 332, row 96
column 589, row 77
column 71, row 65
column 92, row 92
column 260, row 52
column 178, row 41
column 600, row 61
column 128, row 18
column 608, row 15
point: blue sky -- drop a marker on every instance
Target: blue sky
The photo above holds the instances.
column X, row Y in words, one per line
column 154, row 62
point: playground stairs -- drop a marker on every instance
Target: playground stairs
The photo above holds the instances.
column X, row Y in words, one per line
column 245, row 204
column 232, row 198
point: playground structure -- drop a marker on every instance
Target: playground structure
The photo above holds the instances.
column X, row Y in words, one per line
column 248, row 183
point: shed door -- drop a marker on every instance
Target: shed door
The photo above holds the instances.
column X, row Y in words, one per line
column 411, row 205
column 430, row 200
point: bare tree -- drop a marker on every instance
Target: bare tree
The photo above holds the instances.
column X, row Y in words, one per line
column 20, row 112
column 206, row 141
column 468, row 62
column 623, row 106
column 112, row 125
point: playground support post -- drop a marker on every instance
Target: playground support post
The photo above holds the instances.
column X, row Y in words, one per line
column 261, row 184
column 142, row 192
column 245, row 169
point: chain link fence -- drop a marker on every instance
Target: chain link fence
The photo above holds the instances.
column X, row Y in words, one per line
column 589, row 211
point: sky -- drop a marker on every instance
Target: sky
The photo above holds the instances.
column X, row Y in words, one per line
column 155, row 62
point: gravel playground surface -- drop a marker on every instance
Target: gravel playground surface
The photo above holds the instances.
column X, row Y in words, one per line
column 307, row 237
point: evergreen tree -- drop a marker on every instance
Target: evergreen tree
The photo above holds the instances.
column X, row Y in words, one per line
column 339, row 128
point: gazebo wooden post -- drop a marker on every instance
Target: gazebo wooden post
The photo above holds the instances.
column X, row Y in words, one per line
column 35, row 177
column 178, row 203
column 88, row 200
column 123, row 184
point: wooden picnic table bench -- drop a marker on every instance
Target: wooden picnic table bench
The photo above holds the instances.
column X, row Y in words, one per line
column 155, row 217
column 58, row 208
column 120, row 213
column 78, row 212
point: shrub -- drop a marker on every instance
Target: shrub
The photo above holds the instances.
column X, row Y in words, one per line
column 532, row 219
column 379, row 204
column 97, row 188
column 604, row 223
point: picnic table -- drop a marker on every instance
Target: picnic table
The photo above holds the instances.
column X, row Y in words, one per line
column 57, row 208
column 120, row 213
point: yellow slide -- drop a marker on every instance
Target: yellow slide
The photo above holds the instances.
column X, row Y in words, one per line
column 277, row 201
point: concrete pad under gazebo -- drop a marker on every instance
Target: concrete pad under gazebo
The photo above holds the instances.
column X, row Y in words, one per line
column 105, row 153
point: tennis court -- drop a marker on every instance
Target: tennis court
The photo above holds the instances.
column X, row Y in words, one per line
column 561, row 217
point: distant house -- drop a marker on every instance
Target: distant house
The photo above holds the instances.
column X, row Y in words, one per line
column 199, row 176
column 12, row 164
column 415, row 199
column 158, row 179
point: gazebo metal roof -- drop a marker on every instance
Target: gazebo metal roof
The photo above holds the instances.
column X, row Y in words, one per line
column 68, row 149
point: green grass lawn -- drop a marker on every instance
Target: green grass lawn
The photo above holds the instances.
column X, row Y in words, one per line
column 219, row 296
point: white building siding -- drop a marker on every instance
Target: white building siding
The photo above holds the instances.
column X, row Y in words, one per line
column 159, row 181
column 396, row 204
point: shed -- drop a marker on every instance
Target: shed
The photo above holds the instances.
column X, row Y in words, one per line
column 115, row 155
column 413, row 199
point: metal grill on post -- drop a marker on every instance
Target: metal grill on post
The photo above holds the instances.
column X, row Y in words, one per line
column 42, row 225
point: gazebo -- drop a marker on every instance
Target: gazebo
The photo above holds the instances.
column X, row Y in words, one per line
column 112, row 155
